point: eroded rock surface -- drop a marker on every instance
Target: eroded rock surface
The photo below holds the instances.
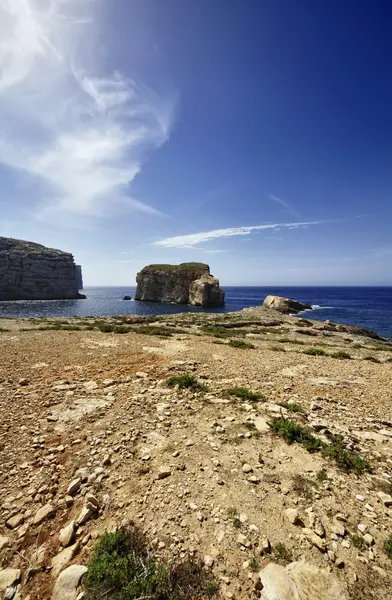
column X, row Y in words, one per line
column 181, row 284
column 30, row 271
column 285, row 305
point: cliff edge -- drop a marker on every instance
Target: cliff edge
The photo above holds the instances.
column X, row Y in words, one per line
column 30, row 271
column 182, row 284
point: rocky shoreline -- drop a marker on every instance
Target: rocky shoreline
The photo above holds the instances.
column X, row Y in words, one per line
column 96, row 434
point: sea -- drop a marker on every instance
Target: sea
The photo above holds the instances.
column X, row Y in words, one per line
column 369, row 307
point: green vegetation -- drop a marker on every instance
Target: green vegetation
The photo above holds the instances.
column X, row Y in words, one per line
column 302, row 486
column 245, row 394
column 388, row 547
column 254, row 564
column 222, row 332
column 293, row 432
column 282, row 554
column 290, row 341
column 315, row 352
column 3, row 329
column 292, row 406
column 188, row 266
column 156, row 330
column 322, row 475
column 347, row 460
column 358, row 542
column 240, row 344
column 186, row 381
column 60, row 327
column 341, row 355
column 372, row 359
column 122, row 568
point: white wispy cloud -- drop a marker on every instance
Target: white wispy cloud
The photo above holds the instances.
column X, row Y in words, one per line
column 285, row 204
column 80, row 132
column 193, row 239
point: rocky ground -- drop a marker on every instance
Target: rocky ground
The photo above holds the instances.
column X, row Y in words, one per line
column 92, row 437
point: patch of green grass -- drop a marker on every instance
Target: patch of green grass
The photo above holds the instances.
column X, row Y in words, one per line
column 388, row 547
column 237, row 522
column 341, row 355
column 278, row 348
column 60, row 327
column 186, row 381
column 245, row 393
column 222, row 332
column 292, row 407
column 321, row 475
column 346, row 460
column 155, row 330
column 290, row 341
column 372, row 359
column 240, row 344
column 282, row 554
column 293, row 432
column 315, row 352
column 254, row 564
column 358, row 542
column 122, row 568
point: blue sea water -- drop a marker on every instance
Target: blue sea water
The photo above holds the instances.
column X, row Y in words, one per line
column 369, row 307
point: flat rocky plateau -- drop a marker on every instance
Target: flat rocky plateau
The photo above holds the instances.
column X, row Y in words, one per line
column 92, row 437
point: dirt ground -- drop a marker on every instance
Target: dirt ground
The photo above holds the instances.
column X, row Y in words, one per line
column 201, row 472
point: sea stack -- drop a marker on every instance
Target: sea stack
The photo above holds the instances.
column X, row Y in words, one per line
column 30, row 271
column 187, row 283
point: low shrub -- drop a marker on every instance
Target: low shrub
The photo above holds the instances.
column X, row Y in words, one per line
column 315, row 352
column 292, row 407
column 60, row 327
column 282, row 554
column 388, row 547
column 293, row 432
column 2, row 329
column 245, row 394
column 241, row 344
column 186, row 381
column 321, row 475
column 341, row 355
column 358, row 542
column 372, row 359
column 222, row 332
column 122, row 568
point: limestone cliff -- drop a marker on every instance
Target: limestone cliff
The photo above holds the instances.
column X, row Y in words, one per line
column 205, row 291
column 30, row 271
column 172, row 283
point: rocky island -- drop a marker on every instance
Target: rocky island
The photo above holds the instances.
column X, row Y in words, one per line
column 187, row 283
column 30, row 271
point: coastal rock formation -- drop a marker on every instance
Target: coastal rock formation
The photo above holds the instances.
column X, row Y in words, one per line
column 30, row 271
column 205, row 291
column 172, row 283
column 285, row 305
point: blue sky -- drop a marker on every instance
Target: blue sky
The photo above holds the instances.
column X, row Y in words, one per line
column 255, row 136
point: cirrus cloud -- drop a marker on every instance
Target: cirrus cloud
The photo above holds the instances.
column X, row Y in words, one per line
column 193, row 239
column 79, row 132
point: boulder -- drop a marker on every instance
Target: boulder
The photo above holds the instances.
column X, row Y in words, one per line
column 285, row 305
column 30, row 271
column 127, row 298
column 172, row 283
column 300, row 581
column 66, row 586
column 8, row 578
column 205, row 291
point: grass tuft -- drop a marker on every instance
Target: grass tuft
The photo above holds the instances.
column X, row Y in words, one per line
column 372, row 359
column 245, row 394
column 315, row 352
column 346, row 460
column 388, row 547
column 221, row 332
column 341, row 355
column 322, row 475
column 186, row 381
column 122, row 568
column 240, row 344
column 358, row 542
column 292, row 406
column 282, row 554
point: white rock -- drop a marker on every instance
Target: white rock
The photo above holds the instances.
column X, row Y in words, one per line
column 209, row 561
column 4, row 542
column 63, row 558
column 8, row 578
column 385, row 498
column 74, row 487
column 45, row 512
column 292, row 515
column 66, row 586
column 247, row 468
column 85, row 515
column 164, row 472
column 67, row 534
column 15, row 522
column 300, row 581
